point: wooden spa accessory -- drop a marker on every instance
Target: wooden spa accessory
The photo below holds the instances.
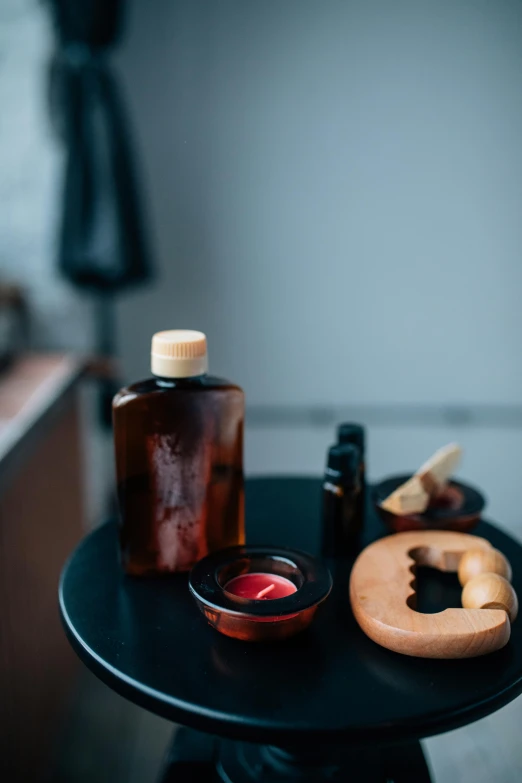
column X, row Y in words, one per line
column 413, row 497
column 382, row 594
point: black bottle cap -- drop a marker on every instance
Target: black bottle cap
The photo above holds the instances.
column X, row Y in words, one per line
column 351, row 433
column 343, row 460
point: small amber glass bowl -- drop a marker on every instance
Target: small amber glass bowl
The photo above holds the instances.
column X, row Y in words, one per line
column 458, row 507
column 259, row 620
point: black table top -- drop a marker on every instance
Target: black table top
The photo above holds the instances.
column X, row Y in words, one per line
column 147, row 640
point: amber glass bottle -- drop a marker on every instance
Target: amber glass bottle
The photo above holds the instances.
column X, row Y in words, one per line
column 179, row 459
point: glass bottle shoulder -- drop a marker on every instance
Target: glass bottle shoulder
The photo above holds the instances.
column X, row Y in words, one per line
column 167, row 386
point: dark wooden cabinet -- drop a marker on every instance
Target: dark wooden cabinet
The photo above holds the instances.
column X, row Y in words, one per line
column 41, row 518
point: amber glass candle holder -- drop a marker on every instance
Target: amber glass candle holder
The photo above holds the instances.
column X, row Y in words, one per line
column 458, row 507
column 265, row 619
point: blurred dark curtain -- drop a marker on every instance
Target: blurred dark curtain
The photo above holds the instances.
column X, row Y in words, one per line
column 102, row 246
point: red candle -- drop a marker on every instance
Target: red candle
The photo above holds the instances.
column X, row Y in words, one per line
column 261, row 587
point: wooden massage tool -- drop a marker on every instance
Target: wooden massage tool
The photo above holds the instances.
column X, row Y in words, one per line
column 382, row 594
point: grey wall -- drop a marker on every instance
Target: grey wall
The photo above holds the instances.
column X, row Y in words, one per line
column 336, row 192
column 334, row 195
column 30, row 164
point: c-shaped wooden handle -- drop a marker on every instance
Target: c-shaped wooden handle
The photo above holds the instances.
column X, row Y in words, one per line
column 382, row 594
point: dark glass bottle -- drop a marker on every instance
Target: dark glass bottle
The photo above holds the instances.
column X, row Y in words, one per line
column 179, row 460
column 353, row 434
column 343, row 503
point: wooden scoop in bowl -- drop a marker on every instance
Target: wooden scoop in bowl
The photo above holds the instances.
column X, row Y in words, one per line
column 414, row 496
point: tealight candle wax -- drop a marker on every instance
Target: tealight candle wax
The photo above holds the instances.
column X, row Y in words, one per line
column 260, row 586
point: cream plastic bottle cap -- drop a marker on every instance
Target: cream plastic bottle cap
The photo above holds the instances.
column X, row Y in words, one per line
column 179, row 353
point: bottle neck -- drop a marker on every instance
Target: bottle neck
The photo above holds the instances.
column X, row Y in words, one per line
column 171, row 383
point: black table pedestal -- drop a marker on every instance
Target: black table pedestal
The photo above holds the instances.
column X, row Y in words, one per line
column 200, row 758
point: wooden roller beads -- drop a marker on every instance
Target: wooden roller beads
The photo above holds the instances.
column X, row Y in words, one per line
column 485, row 576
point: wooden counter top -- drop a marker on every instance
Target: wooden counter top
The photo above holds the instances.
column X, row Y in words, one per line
column 29, row 391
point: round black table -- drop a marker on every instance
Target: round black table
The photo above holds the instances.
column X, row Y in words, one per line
column 329, row 693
